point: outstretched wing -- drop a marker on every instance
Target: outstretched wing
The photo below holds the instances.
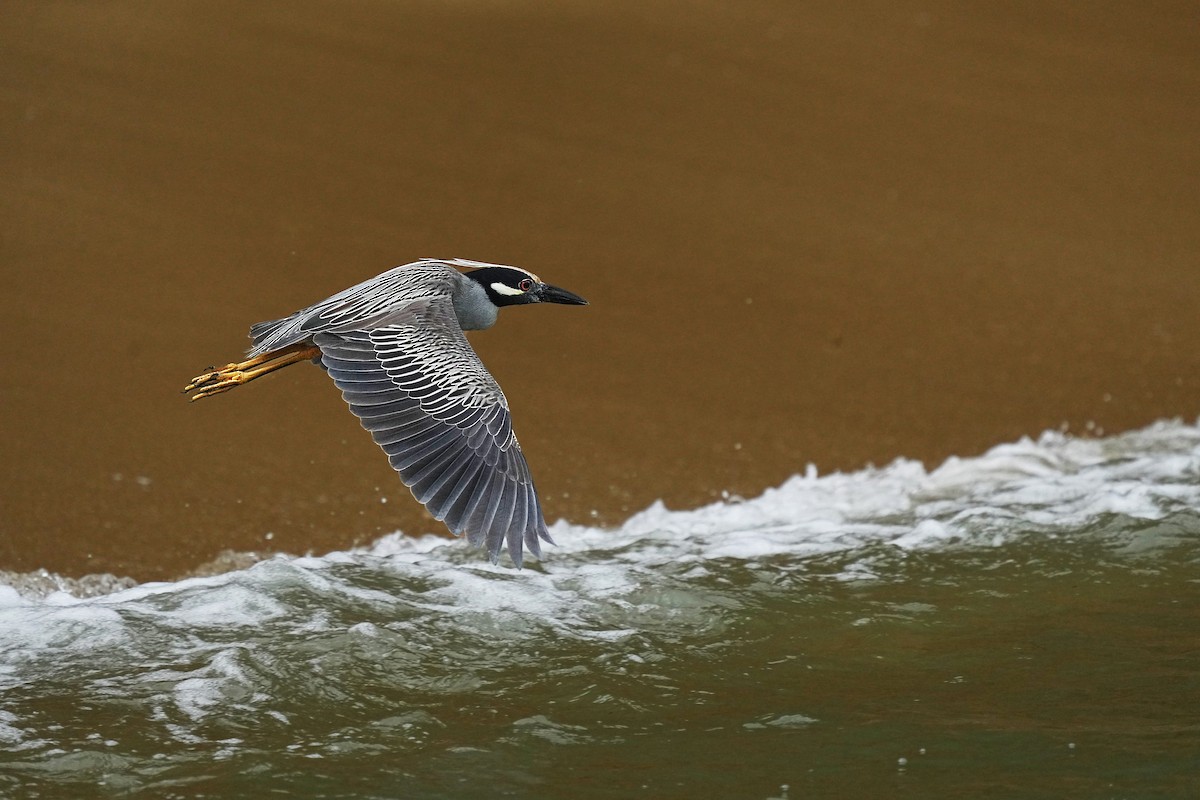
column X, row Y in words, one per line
column 427, row 400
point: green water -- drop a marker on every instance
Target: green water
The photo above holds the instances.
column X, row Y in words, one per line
column 1046, row 671
column 1046, row 650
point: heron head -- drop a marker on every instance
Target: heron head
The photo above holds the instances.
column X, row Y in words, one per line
column 512, row 286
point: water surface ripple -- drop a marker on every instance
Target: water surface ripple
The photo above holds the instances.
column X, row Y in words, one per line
column 1024, row 621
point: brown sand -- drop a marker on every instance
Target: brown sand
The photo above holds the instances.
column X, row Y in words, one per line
column 827, row 233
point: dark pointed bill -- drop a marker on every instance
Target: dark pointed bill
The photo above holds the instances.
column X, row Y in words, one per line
column 552, row 294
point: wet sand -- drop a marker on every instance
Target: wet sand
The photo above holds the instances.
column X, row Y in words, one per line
column 810, row 234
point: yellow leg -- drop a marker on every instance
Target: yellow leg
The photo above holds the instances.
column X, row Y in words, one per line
column 231, row 375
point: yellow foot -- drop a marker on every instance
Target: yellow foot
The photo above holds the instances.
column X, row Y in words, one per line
column 223, row 380
column 231, row 375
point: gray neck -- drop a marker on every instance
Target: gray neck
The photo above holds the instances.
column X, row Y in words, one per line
column 472, row 306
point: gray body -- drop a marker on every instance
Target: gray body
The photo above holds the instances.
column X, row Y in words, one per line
column 395, row 347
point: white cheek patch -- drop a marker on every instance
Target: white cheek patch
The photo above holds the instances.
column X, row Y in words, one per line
column 500, row 288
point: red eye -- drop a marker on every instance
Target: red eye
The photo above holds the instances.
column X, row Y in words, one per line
column 525, row 285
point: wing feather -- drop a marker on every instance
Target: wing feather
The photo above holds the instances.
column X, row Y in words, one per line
column 441, row 488
column 457, row 500
column 367, row 305
column 429, row 403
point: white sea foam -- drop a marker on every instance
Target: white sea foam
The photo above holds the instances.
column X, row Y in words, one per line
column 1016, row 489
column 387, row 639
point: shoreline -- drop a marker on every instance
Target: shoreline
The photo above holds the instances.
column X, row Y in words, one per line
column 37, row 584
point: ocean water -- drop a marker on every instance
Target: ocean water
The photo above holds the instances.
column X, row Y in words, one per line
column 1023, row 623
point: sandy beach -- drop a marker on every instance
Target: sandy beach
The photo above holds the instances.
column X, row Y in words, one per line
column 810, row 234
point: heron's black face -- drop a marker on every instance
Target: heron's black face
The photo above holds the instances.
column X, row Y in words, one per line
column 512, row 286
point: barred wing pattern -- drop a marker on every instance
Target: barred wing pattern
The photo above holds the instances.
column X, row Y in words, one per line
column 428, row 401
column 372, row 303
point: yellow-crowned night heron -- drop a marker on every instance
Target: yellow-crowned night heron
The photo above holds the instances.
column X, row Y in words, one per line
column 395, row 347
